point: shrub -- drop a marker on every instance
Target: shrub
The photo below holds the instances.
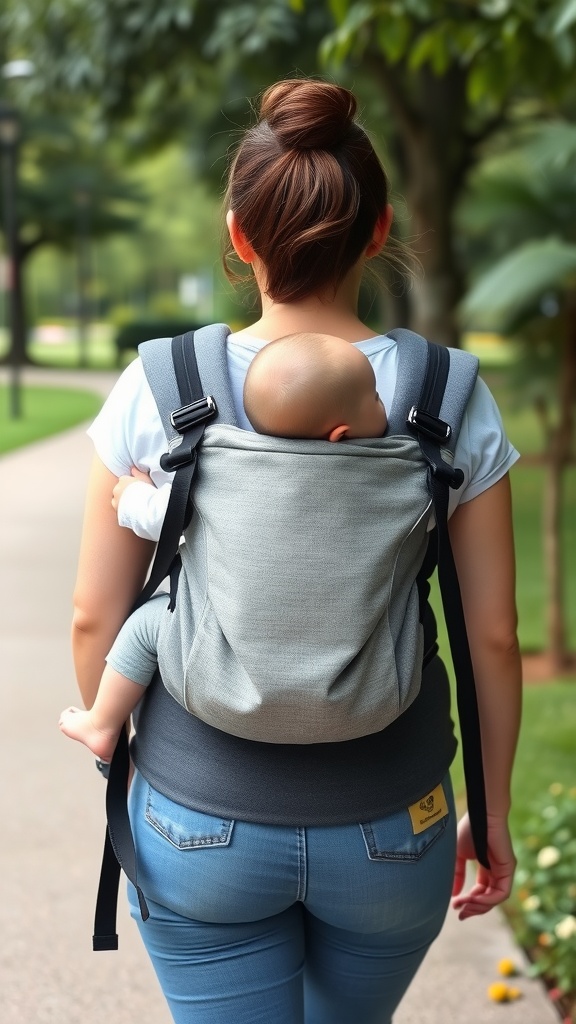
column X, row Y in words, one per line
column 545, row 893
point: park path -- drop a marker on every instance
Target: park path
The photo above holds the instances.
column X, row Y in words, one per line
column 52, row 805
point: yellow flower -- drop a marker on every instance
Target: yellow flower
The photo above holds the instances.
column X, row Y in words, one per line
column 566, row 928
column 507, row 968
column 556, row 788
column 514, row 993
column 548, row 857
column 498, row 992
column 531, row 903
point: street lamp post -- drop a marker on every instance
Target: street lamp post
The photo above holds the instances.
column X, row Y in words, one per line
column 9, row 138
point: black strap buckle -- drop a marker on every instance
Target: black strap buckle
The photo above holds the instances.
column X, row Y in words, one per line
column 177, row 457
column 191, row 415
column 453, row 477
column 430, row 426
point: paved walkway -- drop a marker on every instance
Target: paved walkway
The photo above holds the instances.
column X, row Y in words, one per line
column 52, row 805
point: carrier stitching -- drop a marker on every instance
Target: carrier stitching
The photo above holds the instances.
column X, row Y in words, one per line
column 203, row 613
column 389, row 603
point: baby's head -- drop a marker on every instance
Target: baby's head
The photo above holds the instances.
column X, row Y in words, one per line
column 314, row 386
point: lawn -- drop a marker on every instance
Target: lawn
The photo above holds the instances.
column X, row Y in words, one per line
column 45, row 411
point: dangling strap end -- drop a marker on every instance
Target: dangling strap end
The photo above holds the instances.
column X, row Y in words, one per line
column 484, row 862
column 144, row 912
column 104, row 942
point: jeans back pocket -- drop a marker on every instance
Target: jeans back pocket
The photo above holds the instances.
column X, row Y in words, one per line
column 184, row 828
column 393, row 837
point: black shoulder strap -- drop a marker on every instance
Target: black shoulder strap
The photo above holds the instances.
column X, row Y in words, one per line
column 433, row 435
column 189, row 421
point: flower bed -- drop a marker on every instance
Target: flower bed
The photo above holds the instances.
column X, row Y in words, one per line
column 543, row 909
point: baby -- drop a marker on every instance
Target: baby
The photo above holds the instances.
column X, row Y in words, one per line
column 312, row 386
column 315, row 386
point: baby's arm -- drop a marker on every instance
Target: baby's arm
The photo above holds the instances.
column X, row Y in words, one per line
column 140, row 505
column 130, row 666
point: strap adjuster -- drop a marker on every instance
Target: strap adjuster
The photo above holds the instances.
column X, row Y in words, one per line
column 453, row 477
column 430, row 426
column 190, row 415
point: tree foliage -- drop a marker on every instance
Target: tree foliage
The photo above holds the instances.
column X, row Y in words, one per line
column 64, row 179
column 501, row 46
column 530, row 293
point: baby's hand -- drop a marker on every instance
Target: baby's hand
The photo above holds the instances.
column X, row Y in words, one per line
column 125, row 481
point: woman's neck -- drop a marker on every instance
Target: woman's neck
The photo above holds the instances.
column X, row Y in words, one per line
column 334, row 314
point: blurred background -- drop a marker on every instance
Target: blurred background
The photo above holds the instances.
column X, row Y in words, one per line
column 117, row 119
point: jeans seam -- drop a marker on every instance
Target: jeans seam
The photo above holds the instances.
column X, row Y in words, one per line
column 302, row 865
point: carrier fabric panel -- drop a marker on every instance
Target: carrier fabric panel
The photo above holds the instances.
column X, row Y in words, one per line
column 297, row 601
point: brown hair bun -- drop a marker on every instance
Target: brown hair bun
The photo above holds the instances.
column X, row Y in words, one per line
column 306, row 188
column 308, row 114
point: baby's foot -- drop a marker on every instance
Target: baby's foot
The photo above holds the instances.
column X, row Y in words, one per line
column 78, row 725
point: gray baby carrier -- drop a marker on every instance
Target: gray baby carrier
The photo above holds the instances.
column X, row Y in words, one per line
column 296, row 597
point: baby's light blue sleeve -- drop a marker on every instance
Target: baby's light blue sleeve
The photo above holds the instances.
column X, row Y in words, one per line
column 483, row 451
column 134, row 651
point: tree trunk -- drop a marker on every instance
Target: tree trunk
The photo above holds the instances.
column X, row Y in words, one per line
column 559, row 455
column 21, row 324
column 433, row 153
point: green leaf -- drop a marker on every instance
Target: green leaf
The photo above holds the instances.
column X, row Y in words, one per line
column 566, row 18
column 348, row 37
column 494, row 8
column 339, row 10
column 393, row 35
column 421, row 51
column 514, row 285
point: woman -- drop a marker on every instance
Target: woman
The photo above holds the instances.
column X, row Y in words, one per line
column 287, row 883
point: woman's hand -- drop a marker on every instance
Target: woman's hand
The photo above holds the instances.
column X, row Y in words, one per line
column 492, row 886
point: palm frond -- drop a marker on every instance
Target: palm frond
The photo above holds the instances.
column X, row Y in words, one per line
column 516, row 284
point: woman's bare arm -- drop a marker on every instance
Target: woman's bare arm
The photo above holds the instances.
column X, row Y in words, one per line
column 482, row 541
column 112, row 568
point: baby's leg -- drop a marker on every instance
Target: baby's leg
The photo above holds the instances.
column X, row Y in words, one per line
column 100, row 727
column 79, row 725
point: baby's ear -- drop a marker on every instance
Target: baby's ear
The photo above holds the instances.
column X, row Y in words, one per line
column 338, row 433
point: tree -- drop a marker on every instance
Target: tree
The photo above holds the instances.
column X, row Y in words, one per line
column 451, row 73
column 179, row 70
column 69, row 194
column 528, row 201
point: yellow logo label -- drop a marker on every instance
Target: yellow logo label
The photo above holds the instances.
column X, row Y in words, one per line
column 429, row 809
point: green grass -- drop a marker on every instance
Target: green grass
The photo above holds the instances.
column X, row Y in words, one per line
column 528, row 488
column 546, row 747
column 45, row 411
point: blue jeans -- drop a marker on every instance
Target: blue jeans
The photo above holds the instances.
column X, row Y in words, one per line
column 263, row 923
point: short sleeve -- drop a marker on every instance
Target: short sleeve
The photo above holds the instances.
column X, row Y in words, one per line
column 483, row 450
column 128, row 430
column 134, row 651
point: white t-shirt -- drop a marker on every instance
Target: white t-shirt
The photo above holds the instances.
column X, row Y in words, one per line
column 128, row 432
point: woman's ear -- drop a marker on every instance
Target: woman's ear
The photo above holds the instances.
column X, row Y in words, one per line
column 242, row 246
column 381, row 231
